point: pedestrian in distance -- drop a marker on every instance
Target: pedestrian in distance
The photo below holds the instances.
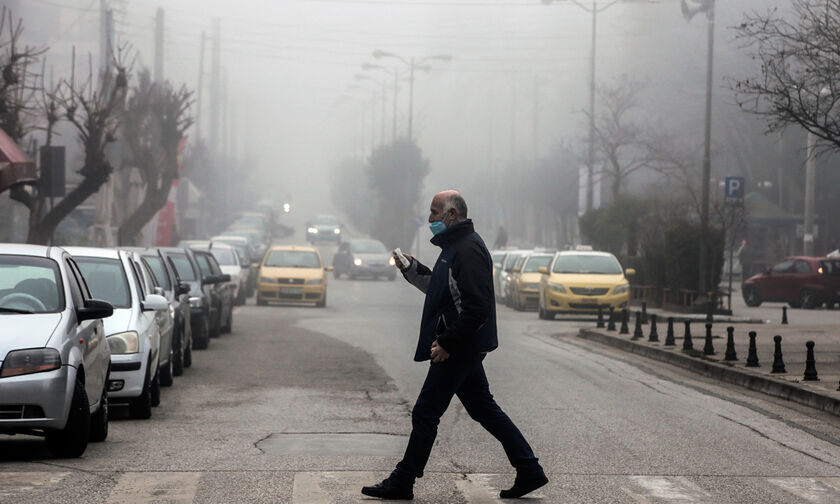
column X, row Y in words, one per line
column 501, row 238
column 457, row 330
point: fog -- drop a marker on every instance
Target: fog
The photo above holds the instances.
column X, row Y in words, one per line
column 515, row 91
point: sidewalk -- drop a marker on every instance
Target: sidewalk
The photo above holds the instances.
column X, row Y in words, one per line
column 822, row 394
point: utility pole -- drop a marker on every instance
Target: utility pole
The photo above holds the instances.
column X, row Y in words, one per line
column 396, row 91
column 704, row 281
column 158, row 75
column 590, row 161
column 106, row 36
column 411, row 99
column 215, row 77
column 810, row 179
column 384, row 103
column 200, row 89
column 100, row 232
column 536, row 121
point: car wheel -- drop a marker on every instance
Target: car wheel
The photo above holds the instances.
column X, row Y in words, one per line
column 155, row 390
column 203, row 337
column 141, row 407
column 541, row 313
column 166, row 373
column 549, row 315
column 228, row 327
column 72, row 440
column 216, row 326
column 807, row 299
column 178, row 354
column 188, row 355
column 99, row 420
column 751, row 297
column 322, row 303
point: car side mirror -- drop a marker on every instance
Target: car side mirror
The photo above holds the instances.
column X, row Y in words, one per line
column 155, row 302
column 543, row 270
column 223, row 278
column 629, row 272
column 183, row 289
column 94, row 309
column 516, row 270
column 208, row 280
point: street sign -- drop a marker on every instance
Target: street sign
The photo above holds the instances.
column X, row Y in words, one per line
column 734, row 191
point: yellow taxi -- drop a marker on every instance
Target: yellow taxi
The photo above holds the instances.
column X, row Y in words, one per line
column 526, row 280
column 581, row 282
column 292, row 274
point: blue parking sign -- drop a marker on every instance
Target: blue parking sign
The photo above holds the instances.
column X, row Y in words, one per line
column 734, row 190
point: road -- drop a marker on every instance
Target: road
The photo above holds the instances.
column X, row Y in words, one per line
column 305, row 405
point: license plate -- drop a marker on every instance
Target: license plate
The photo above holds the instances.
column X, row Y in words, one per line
column 290, row 290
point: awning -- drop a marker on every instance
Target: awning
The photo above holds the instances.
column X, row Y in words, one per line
column 15, row 165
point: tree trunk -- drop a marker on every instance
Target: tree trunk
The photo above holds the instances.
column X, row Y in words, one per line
column 154, row 199
column 40, row 232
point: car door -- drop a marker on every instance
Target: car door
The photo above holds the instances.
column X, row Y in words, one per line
column 90, row 335
column 163, row 318
column 211, row 289
column 778, row 282
column 801, row 276
column 225, row 288
column 147, row 325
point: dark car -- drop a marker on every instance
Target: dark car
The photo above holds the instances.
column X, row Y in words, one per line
column 203, row 306
column 211, row 274
column 324, row 228
column 178, row 295
column 799, row 281
column 363, row 257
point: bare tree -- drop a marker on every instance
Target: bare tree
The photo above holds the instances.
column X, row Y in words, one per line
column 799, row 80
column 19, row 85
column 156, row 118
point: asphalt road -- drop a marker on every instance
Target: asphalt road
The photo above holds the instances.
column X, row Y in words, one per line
column 305, row 405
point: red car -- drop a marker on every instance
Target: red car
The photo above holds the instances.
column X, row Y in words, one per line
column 800, row 281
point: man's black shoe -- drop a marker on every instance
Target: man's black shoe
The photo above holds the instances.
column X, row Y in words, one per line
column 523, row 485
column 389, row 490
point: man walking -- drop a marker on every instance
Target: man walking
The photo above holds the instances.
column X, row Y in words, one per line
column 457, row 329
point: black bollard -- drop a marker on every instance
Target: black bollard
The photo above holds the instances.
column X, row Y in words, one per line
column 669, row 336
column 752, row 356
column 810, row 364
column 611, row 322
column 778, row 363
column 625, row 318
column 637, row 331
column 687, row 343
column 600, row 324
column 784, row 315
column 730, row 345
column 644, row 312
column 709, row 347
column 654, row 336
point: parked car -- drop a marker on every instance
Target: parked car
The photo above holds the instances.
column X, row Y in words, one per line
column 800, row 281
column 363, row 257
column 203, row 305
column 293, row 274
column 505, row 273
column 247, row 258
column 324, row 228
column 222, row 291
column 133, row 331
column 256, row 237
column 54, row 357
column 526, row 288
column 583, row 281
column 512, row 277
column 178, row 295
column 229, row 263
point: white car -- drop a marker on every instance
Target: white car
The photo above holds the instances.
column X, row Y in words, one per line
column 54, row 359
column 228, row 261
column 134, row 332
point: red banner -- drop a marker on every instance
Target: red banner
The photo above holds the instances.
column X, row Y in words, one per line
column 166, row 215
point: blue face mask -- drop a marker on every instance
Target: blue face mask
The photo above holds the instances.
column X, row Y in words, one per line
column 437, row 227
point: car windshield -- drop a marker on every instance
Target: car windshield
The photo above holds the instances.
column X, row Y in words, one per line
column 536, row 262
column 29, row 285
column 183, row 267
column 367, row 247
column 587, row 264
column 224, row 256
column 497, row 258
column 106, row 280
column 510, row 260
column 325, row 220
column 155, row 263
column 292, row 259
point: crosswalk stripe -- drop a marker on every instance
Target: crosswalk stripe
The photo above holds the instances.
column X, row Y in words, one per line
column 816, row 490
column 324, row 487
column 476, row 489
column 668, row 489
column 18, row 482
column 170, row 487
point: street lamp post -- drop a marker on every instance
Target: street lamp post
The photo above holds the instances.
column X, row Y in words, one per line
column 396, row 74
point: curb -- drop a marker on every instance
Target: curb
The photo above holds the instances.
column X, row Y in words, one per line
column 759, row 383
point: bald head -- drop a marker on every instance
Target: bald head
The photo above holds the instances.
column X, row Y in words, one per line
column 448, row 206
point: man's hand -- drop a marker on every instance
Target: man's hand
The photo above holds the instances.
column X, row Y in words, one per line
column 399, row 264
column 438, row 353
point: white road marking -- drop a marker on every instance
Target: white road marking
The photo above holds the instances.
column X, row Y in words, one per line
column 324, row 487
column 169, row 487
column 816, row 490
column 477, row 489
column 12, row 483
column 668, row 489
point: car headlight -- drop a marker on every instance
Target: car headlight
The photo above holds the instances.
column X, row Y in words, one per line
column 315, row 281
column 531, row 286
column 33, row 360
column 621, row 289
column 557, row 288
column 312, row 230
column 287, row 207
column 124, row 342
column 391, row 261
column 196, row 301
column 337, row 231
column 267, row 280
column 357, row 262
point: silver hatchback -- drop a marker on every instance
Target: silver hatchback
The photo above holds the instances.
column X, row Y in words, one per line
column 54, row 359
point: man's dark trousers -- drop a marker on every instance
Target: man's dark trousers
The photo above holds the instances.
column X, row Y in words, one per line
column 461, row 375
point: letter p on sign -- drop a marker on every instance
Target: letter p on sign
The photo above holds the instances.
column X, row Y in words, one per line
column 734, row 190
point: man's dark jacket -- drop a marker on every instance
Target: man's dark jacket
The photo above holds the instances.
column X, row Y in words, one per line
column 460, row 308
